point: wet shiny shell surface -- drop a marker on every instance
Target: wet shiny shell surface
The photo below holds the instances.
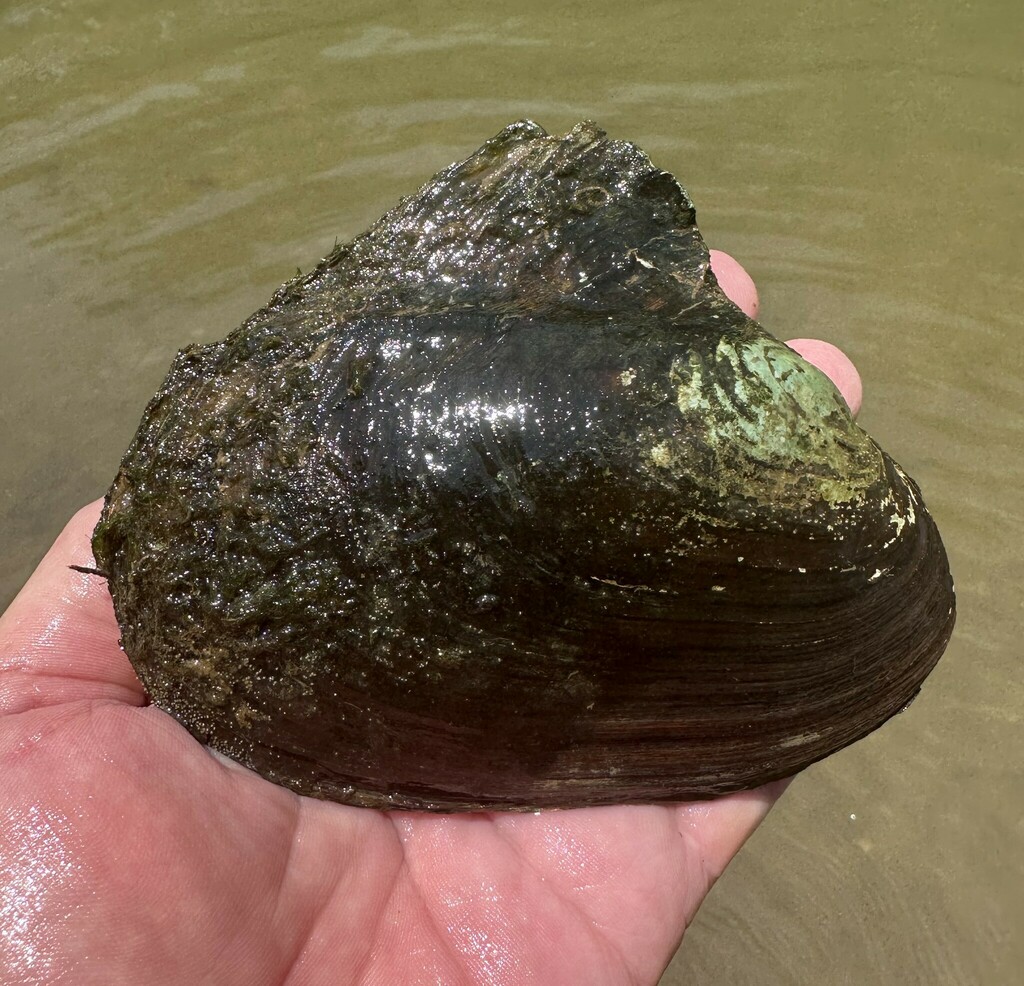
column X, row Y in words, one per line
column 505, row 505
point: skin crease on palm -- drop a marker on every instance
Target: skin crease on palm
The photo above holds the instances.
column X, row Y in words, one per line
column 129, row 853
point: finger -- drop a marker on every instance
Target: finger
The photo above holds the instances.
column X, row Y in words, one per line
column 735, row 282
column 59, row 638
column 836, row 365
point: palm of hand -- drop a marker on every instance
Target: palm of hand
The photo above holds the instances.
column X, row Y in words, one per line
column 130, row 854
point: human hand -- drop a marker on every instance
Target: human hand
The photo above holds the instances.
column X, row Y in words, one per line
column 129, row 853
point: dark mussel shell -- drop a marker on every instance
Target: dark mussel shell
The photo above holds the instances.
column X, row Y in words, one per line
column 505, row 505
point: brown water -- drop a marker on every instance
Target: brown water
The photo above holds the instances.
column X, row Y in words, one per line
column 161, row 171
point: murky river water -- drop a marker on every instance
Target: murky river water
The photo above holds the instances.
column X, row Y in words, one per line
column 164, row 167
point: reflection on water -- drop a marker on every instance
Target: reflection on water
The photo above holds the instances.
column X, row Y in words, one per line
column 161, row 171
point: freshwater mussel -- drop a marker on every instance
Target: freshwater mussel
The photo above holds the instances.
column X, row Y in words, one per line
column 506, row 505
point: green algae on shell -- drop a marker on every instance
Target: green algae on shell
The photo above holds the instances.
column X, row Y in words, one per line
column 505, row 505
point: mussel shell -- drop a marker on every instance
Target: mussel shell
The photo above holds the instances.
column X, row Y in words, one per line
column 505, row 505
